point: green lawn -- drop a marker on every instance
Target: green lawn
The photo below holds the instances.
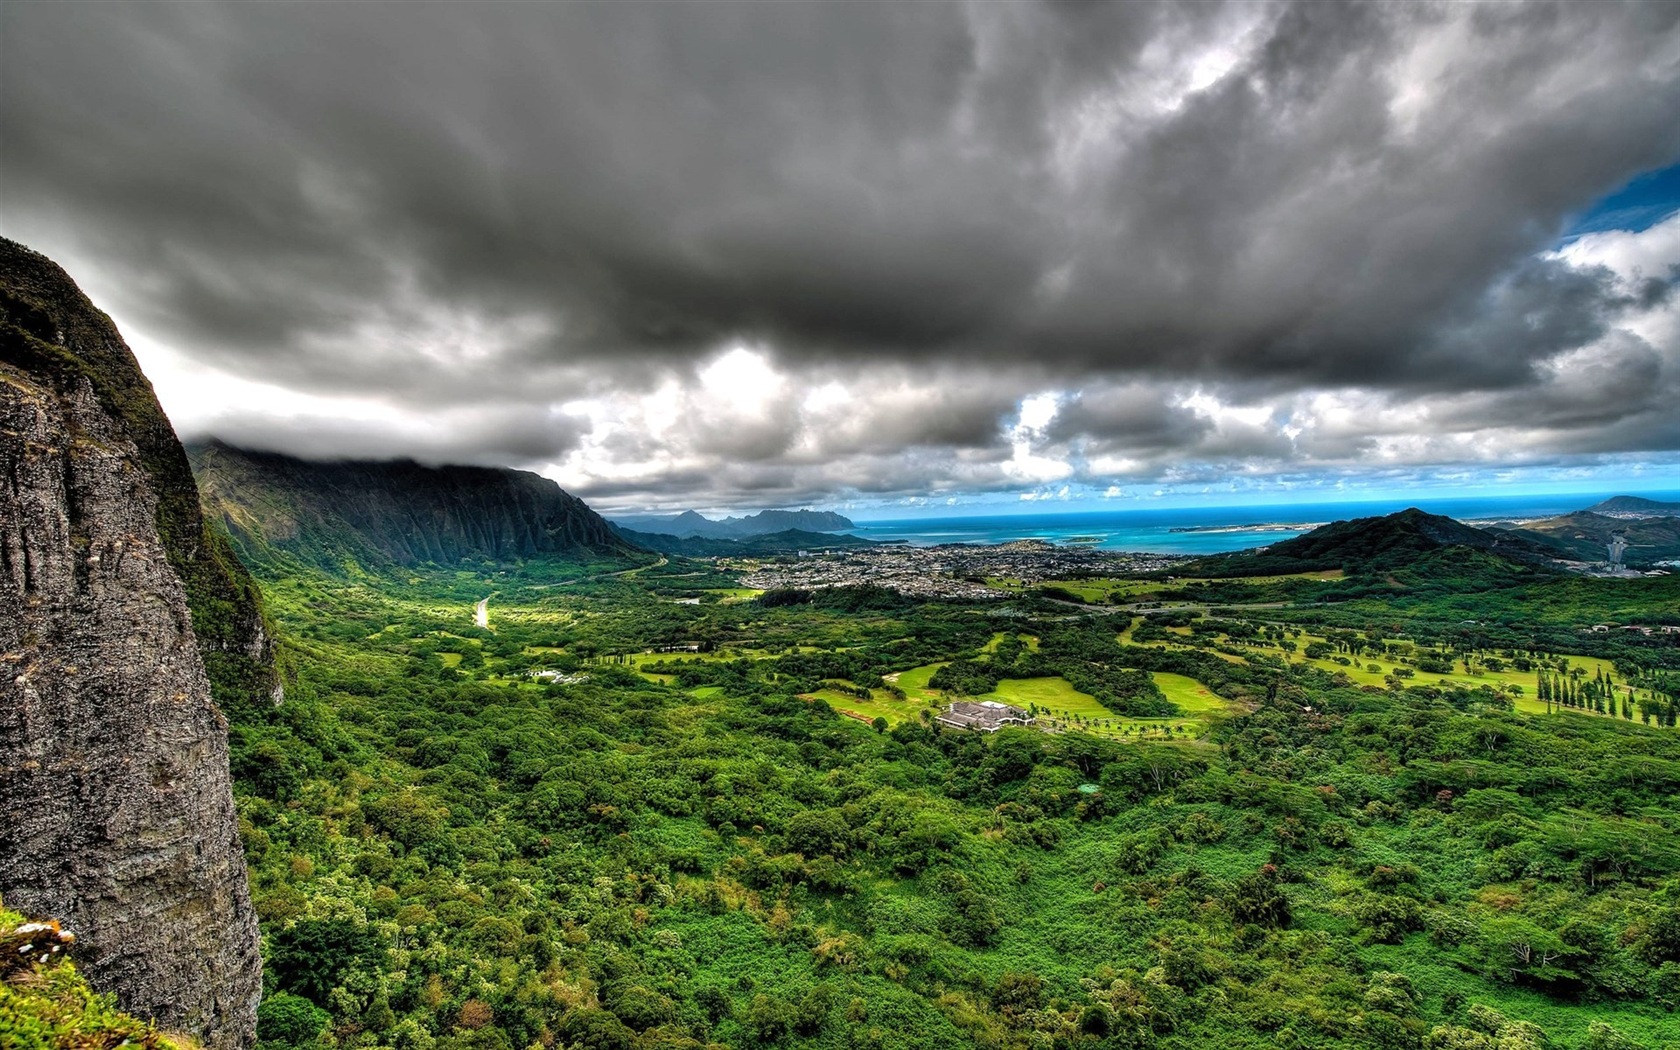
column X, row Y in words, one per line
column 914, row 682
column 1358, row 670
column 880, row 705
column 1191, row 696
column 734, row 595
column 1055, row 693
column 1064, row 707
column 1031, row 641
column 1104, row 591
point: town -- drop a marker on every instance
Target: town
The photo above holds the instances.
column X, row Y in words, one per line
column 960, row 571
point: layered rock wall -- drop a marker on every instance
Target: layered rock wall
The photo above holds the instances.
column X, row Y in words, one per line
column 116, row 811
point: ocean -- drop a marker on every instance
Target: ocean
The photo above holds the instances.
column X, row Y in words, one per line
column 1203, row 530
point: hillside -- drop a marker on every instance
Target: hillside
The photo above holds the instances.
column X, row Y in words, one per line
column 335, row 515
column 1585, row 535
column 1376, row 544
column 768, row 522
column 1633, row 507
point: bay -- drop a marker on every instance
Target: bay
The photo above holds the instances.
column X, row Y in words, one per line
column 1204, row 530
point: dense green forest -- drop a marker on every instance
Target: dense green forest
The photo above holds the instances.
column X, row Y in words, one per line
column 643, row 808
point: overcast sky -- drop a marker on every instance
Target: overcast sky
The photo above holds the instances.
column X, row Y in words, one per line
column 737, row 255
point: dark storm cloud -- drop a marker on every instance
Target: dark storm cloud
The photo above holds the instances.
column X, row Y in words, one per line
column 1131, row 417
column 520, row 205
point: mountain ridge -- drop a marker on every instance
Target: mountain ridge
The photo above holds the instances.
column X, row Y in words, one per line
column 691, row 523
column 785, row 542
column 381, row 513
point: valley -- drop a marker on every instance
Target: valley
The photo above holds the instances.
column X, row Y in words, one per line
column 661, row 805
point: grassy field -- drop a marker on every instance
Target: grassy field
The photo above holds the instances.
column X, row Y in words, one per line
column 1031, row 641
column 734, row 595
column 914, row 682
column 1106, row 591
column 918, row 696
column 1062, row 707
column 1191, row 696
column 1055, row 694
column 879, row 705
column 1360, row 670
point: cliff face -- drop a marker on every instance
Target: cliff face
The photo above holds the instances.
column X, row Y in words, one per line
column 401, row 513
column 116, row 812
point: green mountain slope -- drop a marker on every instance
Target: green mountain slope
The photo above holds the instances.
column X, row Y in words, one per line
column 344, row 515
column 1584, row 535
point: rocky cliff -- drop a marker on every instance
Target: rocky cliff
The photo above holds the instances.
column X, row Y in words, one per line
column 371, row 514
column 116, row 814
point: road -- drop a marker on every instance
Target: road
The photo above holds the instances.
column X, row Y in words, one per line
column 603, row 576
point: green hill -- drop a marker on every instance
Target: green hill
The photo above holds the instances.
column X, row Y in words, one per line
column 1633, row 507
column 1394, row 542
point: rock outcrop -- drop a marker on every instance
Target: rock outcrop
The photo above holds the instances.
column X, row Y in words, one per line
column 116, row 811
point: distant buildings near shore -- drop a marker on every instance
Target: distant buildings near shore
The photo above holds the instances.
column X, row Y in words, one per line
column 950, row 571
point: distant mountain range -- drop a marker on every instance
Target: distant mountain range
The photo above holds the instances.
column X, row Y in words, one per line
column 690, row 524
column 337, row 514
column 784, row 542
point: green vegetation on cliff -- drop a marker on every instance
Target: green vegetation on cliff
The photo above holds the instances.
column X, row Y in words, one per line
column 46, row 1005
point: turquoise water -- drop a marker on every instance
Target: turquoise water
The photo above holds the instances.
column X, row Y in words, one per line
column 1216, row 529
